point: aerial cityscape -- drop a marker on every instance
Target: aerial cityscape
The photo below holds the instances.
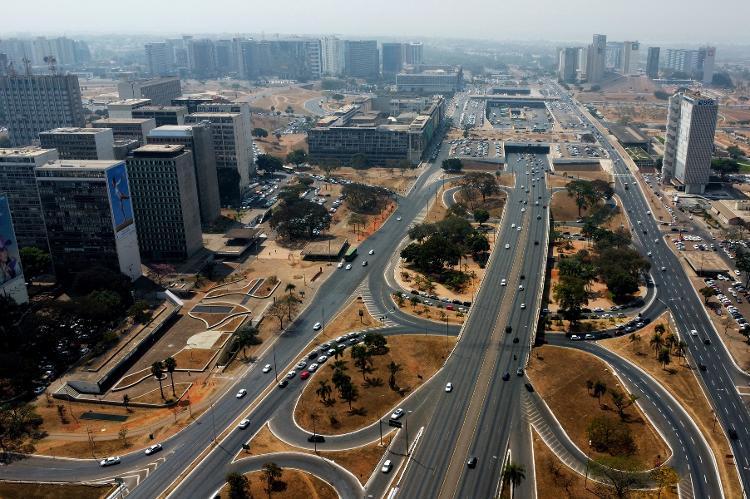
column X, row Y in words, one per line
column 293, row 251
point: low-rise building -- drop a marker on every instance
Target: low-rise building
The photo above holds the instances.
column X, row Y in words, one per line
column 80, row 143
column 162, row 115
column 161, row 91
column 423, row 79
column 124, row 108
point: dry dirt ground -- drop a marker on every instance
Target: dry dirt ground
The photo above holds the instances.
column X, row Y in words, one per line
column 290, row 96
column 15, row 490
column 560, row 375
column 564, row 208
column 283, row 146
column 680, row 381
column 293, row 484
column 419, row 357
column 360, row 461
column 397, row 179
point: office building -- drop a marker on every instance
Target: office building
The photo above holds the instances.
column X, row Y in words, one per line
column 224, row 56
column 414, row 53
column 430, row 79
column 161, row 91
column 18, row 182
column 290, row 59
column 652, row 63
column 689, row 145
column 597, row 53
column 393, row 58
column 158, row 58
column 332, row 56
column 127, row 128
column 88, row 216
column 583, row 58
column 198, row 139
column 12, row 281
column 234, row 160
column 567, row 70
column 33, row 103
column 80, row 143
column 124, row 108
column 706, row 63
column 241, row 108
column 191, row 102
column 162, row 115
column 4, row 61
column 696, row 64
column 613, row 56
column 350, row 132
column 362, row 58
column 202, row 58
column 629, row 62
column 165, row 202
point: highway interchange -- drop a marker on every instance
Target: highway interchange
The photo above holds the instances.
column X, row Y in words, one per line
column 484, row 416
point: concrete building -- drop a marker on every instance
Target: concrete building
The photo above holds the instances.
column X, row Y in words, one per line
column 630, row 55
column 293, row 58
column 12, row 280
column 162, row 115
column 362, row 58
column 696, row 64
column 161, row 91
column 706, row 63
column 349, row 132
column 414, row 53
column 234, row 161
column 691, row 125
column 583, row 58
column 567, row 70
column 597, row 53
column 18, row 183
column 33, row 103
column 332, row 56
column 198, row 138
column 88, row 216
column 430, row 79
column 202, row 58
column 124, row 108
column 80, row 143
column 127, row 128
column 652, row 63
column 393, row 58
column 4, row 61
column 191, row 102
column 158, row 58
column 165, row 202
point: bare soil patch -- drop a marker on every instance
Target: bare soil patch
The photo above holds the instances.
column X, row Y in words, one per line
column 293, row 484
column 396, row 179
column 17, row 490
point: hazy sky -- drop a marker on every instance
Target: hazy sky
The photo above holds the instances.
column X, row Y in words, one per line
column 718, row 21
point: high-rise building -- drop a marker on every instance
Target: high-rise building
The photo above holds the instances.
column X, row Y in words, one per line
column 80, row 143
column 629, row 61
column 202, row 57
column 689, row 145
column 33, row 103
column 4, row 61
column 706, row 62
column 88, row 214
column 234, row 161
column 652, row 63
column 362, row 58
column 12, row 282
column 294, row 58
column 596, row 59
column 18, row 182
column 413, row 53
column 681, row 60
column 158, row 58
column 393, row 57
column 127, row 128
column 161, row 91
column 165, row 202
column 223, row 54
column 568, row 64
column 198, row 139
column 332, row 55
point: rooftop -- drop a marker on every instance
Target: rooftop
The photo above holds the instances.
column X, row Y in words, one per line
column 130, row 102
column 25, row 152
column 171, row 131
column 158, row 148
column 71, row 164
column 74, row 130
column 122, row 121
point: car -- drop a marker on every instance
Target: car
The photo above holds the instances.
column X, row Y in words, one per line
column 291, row 374
column 706, row 341
column 267, row 368
column 304, row 375
column 364, row 263
column 109, row 461
column 449, row 387
column 283, row 383
column 301, row 364
column 528, row 386
column 523, row 210
column 693, row 332
column 506, row 376
column 371, row 252
column 664, row 269
column 153, row 449
column 588, row 336
column 241, row 393
column 316, row 438
column 398, row 219
column 503, row 282
column 732, row 433
column 519, row 371
column 648, row 254
column 317, row 326
column 737, row 272
column 348, row 266
column 398, row 413
column 520, row 287
column 515, row 340
column 340, row 265
column 321, row 359
column 313, row 355
column 507, row 246
column 243, row 424
column 387, row 466
column 702, row 367
column 523, row 306
column 471, row 462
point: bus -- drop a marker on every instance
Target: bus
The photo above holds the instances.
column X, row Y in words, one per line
column 350, row 254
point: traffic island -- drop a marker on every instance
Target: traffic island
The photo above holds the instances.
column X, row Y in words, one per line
column 292, row 484
column 20, row 490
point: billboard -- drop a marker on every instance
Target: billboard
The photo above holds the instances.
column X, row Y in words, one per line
column 119, row 199
column 12, row 282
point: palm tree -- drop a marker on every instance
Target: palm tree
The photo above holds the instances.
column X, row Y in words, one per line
column 656, row 342
column 339, row 365
column 513, row 474
column 170, row 365
column 664, row 357
column 324, row 391
column 157, row 369
column 600, row 388
column 660, row 328
column 393, row 368
column 635, row 338
column 349, row 392
column 670, row 340
column 272, row 472
column 290, row 287
column 589, row 385
column 679, row 349
column 126, row 401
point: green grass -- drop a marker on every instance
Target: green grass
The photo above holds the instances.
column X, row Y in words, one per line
column 744, row 167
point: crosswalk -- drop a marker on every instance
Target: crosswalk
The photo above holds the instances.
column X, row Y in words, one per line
column 131, row 480
column 363, row 291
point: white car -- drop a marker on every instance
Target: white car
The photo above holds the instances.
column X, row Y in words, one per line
column 523, row 209
column 398, row 219
column 267, row 368
column 387, row 466
column 109, row 461
column 512, row 226
column 397, row 413
column 520, row 287
column 693, row 332
column 523, row 305
column 340, row 265
column 737, row 272
column 241, row 393
column 507, row 246
column 313, row 367
column 243, row 424
column 317, row 326
column 153, row 449
column 503, row 282
column 371, row 252
column 301, row 364
column 348, row 266
column 449, row 387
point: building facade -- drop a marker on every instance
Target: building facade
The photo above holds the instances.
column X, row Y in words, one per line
column 161, row 91
column 630, row 55
column 80, row 143
column 597, row 53
column 393, row 58
column 689, row 145
column 414, row 53
column 158, row 58
column 33, row 103
column 127, row 128
column 162, row 115
column 332, row 56
column 165, row 202
column 430, row 80
column 567, row 70
column 652, row 63
column 88, row 215
column 362, row 58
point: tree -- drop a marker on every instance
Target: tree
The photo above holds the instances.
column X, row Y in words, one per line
column 600, row 388
column 140, row 312
column 355, row 219
column 665, row 477
column 299, row 218
column 583, row 192
column 296, row 157
column 272, row 472
column 268, row 163
column 619, row 473
column 18, row 429
column 664, row 357
column 247, row 336
column 362, row 357
column 607, row 434
column 393, row 369
column 363, row 198
column 260, row 132
column 123, row 435
column 724, row 166
column 324, row 391
column 126, row 402
column 735, row 152
column 742, row 261
column 157, row 369
column 98, row 278
column 656, row 342
column 376, row 344
column 238, row 486
column 35, row 261
column 481, row 216
column 170, row 365
column 622, row 401
column 513, row 474
column 452, row 165
column 661, row 95
column 483, row 183
column 570, row 294
column 100, row 305
column 707, row 293
column 337, row 97
column 349, row 392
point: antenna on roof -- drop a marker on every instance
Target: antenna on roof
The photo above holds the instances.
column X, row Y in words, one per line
column 51, row 63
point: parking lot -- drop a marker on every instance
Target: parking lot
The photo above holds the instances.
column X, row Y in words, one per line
column 505, row 117
column 476, row 148
column 565, row 116
column 580, row 150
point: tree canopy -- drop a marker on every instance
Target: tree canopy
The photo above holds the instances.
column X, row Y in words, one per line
column 268, row 163
column 297, row 157
column 362, row 198
column 452, row 165
column 299, row 218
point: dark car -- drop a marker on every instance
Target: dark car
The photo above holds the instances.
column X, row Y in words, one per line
column 528, row 386
column 706, row 341
column 506, row 376
column 283, row 383
column 732, row 433
column 508, row 329
column 702, row 367
column 515, row 340
column 472, row 461
column 316, row 438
